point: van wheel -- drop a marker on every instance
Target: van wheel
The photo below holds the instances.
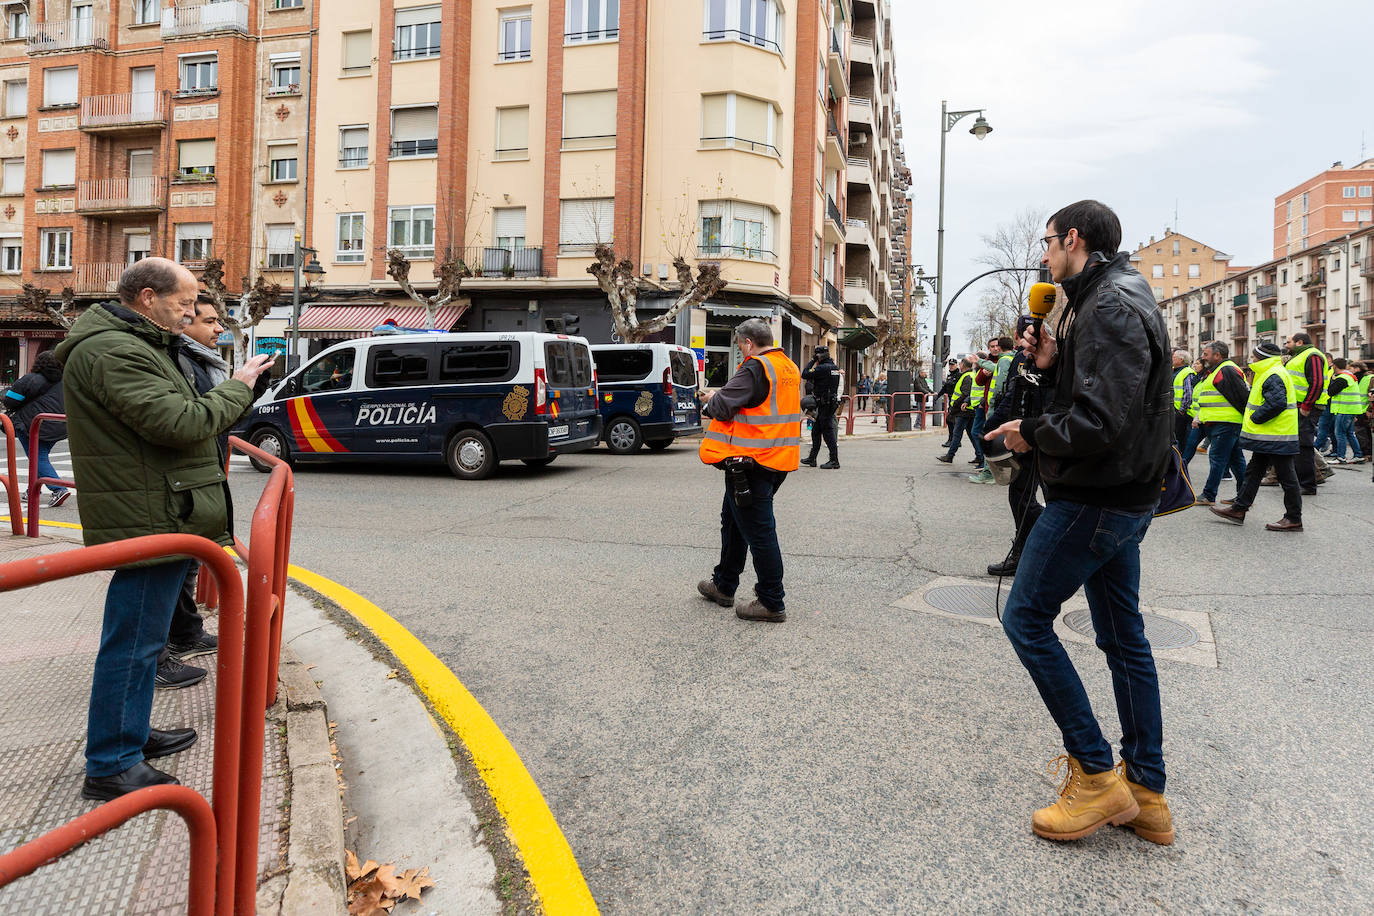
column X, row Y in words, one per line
column 539, row 462
column 273, row 443
column 623, row 436
column 470, row 455
column 658, row 445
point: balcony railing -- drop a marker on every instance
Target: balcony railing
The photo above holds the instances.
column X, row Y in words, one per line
column 69, row 34
column 216, row 16
column 113, row 194
column 1317, row 280
column 1367, row 267
column 97, row 277
column 1207, row 309
column 710, row 252
column 1367, row 351
column 1267, row 326
column 123, row 109
column 1314, row 318
column 492, row 263
column 832, row 297
column 1241, row 301
column 1366, row 310
column 1267, row 293
column 832, row 210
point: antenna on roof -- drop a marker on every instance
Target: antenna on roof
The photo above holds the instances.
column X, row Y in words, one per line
column 1175, row 214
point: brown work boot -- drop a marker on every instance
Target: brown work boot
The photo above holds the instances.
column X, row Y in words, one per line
column 1087, row 802
column 1153, row 823
column 1231, row 514
column 755, row 610
column 708, row 589
column 1284, row 524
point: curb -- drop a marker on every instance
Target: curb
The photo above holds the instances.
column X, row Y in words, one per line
column 313, row 882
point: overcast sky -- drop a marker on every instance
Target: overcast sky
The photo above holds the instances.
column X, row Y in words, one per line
column 1219, row 106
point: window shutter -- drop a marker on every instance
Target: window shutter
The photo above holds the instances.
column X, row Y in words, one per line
column 415, row 124
column 281, row 151
column 508, row 223
column 59, row 167
column 589, row 114
column 13, row 181
column 357, row 50
column 751, row 119
column 186, row 231
column 513, row 128
column 353, row 138
column 17, row 97
column 59, row 86
column 281, row 238
column 713, row 116
column 195, row 154
column 586, row 222
column 417, row 15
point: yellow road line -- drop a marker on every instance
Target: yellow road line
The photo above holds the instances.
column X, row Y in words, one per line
column 554, row 872
column 43, row 524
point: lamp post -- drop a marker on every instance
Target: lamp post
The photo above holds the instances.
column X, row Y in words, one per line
column 293, row 358
column 980, row 129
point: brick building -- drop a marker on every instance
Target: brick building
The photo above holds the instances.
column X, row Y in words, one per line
column 1326, row 206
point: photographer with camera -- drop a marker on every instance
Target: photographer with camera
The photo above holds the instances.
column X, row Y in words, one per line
column 824, row 377
column 754, row 435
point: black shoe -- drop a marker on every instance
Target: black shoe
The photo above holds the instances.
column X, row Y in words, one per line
column 165, row 744
column 172, row 675
column 975, row 461
column 138, row 776
column 944, row 445
column 831, row 465
column 809, row 462
column 1310, row 491
column 1006, row 568
column 204, row 644
column 945, row 458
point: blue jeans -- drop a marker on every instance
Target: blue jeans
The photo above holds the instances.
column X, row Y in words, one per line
column 1325, row 430
column 1223, row 453
column 752, row 530
column 1075, row 545
column 1345, row 432
column 963, row 425
column 43, row 462
column 138, row 613
column 1195, row 434
column 980, row 420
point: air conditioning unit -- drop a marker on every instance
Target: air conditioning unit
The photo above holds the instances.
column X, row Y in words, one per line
column 859, row 138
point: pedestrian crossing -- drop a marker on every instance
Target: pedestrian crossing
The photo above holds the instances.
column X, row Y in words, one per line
column 61, row 458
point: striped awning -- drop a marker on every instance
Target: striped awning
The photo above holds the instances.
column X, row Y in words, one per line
column 344, row 322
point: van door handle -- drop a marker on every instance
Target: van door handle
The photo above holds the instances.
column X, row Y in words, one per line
column 345, row 402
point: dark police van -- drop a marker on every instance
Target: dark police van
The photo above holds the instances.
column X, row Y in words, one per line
column 648, row 394
column 468, row 399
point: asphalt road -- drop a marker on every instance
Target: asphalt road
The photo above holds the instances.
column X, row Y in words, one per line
column 863, row 757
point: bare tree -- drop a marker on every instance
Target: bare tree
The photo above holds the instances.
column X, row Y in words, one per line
column 622, row 285
column 256, row 304
column 896, row 347
column 994, row 317
column 1013, row 244
column 449, row 273
column 35, row 299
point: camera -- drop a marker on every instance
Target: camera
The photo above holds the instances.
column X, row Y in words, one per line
column 737, row 475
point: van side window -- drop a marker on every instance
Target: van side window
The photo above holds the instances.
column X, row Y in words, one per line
column 623, row 365
column 331, row 372
column 399, row 365
column 478, row 362
column 567, row 364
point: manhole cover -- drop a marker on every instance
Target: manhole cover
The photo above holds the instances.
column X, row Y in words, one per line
column 966, row 600
column 1162, row 632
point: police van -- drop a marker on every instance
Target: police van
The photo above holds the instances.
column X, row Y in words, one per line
column 648, row 394
column 470, row 399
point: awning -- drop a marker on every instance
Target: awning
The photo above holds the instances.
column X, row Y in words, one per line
column 739, row 311
column 797, row 322
column 857, row 338
column 344, row 322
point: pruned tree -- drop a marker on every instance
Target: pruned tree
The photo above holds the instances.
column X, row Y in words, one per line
column 993, row 317
column 623, row 286
column 255, row 304
column 37, row 299
column 1013, row 244
column 449, row 273
column 896, row 347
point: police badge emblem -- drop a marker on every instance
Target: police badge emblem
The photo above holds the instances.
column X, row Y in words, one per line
column 645, row 405
column 517, row 403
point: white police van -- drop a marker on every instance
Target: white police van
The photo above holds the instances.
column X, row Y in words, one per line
column 470, row 399
column 647, row 394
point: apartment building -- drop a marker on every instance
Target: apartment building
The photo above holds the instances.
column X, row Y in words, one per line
column 1329, row 205
column 1177, row 264
column 1326, row 290
column 133, row 129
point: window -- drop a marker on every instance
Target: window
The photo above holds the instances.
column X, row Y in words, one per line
column 357, row 52
column 1366, row 190
column 592, row 20
column 512, row 133
column 1157, row 271
column 479, row 362
column 589, row 120
column 1195, row 271
column 11, row 255
column 12, row 176
column 287, row 4
column 508, row 226
column 734, row 229
column 1304, row 229
column 146, row 12
column 138, row 246
column 1348, row 216
column 567, row 364
column 1348, row 191
column 332, row 372
column 59, row 86
column 1304, row 203
column 194, row 242
column 353, row 147
column 414, row 132
column 281, row 246
column 1176, row 248
column 199, row 73
column 1284, row 275
column 16, row 21
column 411, row 230
column 516, row 30
column 739, row 122
column 57, row 249
column 1364, row 216
column 348, row 245
column 16, row 98
column 281, row 159
column 398, row 366
column 286, row 74
column 623, row 365
column 1159, row 293
column 756, row 22
column 417, row 33
column 1175, row 270
column 584, row 224
column 59, row 168
column 195, row 160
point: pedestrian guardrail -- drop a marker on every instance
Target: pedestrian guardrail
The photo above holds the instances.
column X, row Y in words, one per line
column 927, row 409
column 11, row 479
column 224, row 834
column 35, row 483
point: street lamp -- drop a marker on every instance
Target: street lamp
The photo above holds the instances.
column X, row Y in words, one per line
column 981, row 128
column 293, row 359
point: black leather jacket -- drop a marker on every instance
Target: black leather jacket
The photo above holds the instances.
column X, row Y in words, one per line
column 1104, row 437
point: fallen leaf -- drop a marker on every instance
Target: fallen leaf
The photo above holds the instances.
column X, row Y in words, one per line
column 308, row 667
column 414, row 881
column 392, row 674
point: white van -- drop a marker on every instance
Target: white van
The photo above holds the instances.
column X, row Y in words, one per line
column 648, row 394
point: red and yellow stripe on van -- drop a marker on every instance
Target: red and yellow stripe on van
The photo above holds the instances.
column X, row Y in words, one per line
column 311, row 434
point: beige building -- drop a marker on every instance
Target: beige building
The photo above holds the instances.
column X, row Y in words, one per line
column 1176, row 264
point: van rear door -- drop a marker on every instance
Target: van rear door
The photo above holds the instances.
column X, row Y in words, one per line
column 571, row 388
column 682, row 367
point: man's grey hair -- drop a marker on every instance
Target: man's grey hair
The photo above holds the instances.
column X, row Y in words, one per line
column 757, row 330
column 1183, row 354
column 1217, row 347
column 162, row 277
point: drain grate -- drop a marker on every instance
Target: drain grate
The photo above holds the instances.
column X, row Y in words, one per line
column 966, row 600
column 1162, row 632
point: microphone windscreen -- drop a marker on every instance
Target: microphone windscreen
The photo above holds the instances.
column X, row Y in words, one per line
column 1042, row 299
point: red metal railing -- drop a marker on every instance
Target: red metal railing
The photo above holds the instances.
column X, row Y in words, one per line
column 36, row 482
column 925, row 412
column 249, row 640
column 11, row 478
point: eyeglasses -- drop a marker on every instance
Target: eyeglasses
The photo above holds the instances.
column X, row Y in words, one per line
column 1047, row 239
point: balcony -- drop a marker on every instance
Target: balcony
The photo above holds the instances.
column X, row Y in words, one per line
column 1241, row 302
column 833, row 229
column 217, row 16
column 859, row 298
column 1267, row 326
column 858, row 232
column 1366, row 310
column 1267, row 293
column 834, row 144
column 69, row 34
column 1367, row 267
column 861, row 111
column 832, row 297
column 836, row 68
column 96, row 277
column 859, row 171
column 1317, row 280
column 503, row 263
column 1367, row 351
column 124, row 111
column 122, row 195
column 861, row 50
column 1314, row 319
column 1207, row 309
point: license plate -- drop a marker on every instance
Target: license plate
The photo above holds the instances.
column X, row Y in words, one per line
column 556, row 431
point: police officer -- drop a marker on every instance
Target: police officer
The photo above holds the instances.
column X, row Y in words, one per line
column 824, row 377
column 754, row 434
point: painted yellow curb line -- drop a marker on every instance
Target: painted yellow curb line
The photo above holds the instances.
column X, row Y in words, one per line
column 554, row 872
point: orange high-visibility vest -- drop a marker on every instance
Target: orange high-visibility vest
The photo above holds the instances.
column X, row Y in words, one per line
column 769, row 433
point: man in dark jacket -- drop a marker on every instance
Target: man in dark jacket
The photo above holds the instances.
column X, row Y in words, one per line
column 145, row 462
column 947, row 392
column 40, row 391
column 1103, row 447
column 824, row 378
column 1022, row 395
column 1271, row 433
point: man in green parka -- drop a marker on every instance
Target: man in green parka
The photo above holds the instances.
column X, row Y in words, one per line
column 145, row 461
